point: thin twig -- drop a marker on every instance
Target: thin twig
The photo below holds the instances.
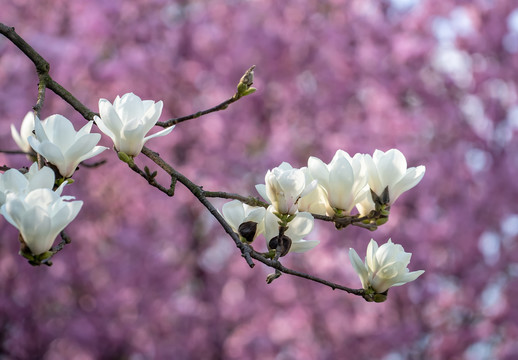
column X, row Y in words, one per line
column 219, row 107
column 94, row 165
column 249, row 200
column 15, row 152
column 277, row 265
column 151, row 179
column 243, row 89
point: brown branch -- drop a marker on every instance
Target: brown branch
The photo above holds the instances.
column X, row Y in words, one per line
column 278, row 266
column 198, row 114
column 42, row 66
column 246, row 250
column 150, row 178
column 15, row 152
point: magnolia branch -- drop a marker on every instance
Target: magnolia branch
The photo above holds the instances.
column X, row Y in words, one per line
column 244, row 88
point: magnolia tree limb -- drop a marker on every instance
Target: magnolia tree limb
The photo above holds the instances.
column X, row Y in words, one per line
column 244, row 88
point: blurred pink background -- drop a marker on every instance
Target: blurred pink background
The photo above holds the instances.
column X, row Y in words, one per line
column 152, row 277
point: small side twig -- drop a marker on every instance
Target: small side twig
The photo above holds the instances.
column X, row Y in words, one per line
column 94, row 165
column 249, row 200
column 243, row 89
column 15, row 152
column 150, row 178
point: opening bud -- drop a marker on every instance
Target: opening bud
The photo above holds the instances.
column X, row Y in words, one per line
column 244, row 87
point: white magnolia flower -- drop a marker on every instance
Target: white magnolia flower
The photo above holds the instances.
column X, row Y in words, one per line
column 57, row 141
column 343, row 179
column 25, row 131
column 384, row 267
column 298, row 228
column 40, row 216
column 390, row 169
column 128, row 121
column 237, row 213
column 13, row 181
column 284, row 187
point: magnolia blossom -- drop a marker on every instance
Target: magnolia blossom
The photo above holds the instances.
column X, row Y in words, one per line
column 284, row 187
column 40, row 216
column 384, row 267
column 236, row 214
column 128, row 121
column 389, row 169
column 13, row 181
column 57, row 141
column 298, row 228
column 25, row 131
column 343, row 179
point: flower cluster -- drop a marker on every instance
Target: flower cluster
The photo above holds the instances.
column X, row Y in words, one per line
column 369, row 184
column 32, row 202
column 364, row 182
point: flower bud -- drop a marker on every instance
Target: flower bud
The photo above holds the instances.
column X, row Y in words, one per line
column 124, row 157
column 283, row 246
column 247, row 230
column 243, row 88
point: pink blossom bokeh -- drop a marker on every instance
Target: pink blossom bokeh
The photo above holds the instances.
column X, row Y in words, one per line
column 152, row 277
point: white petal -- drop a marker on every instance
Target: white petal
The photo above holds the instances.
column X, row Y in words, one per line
column 341, row 180
column 292, row 182
column 39, row 131
column 65, row 215
column 60, row 131
column 13, row 210
column 370, row 258
column 412, row 177
column 42, row 178
column 408, row 277
column 373, row 177
column 13, row 180
column 359, row 267
column 82, row 146
column 36, row 230
column 261, row 189
column 255, row 214
column 152, row 115
column 160, row 133
column 300, row 226
column 130, row 108
column 271, row 224
column 303, row 245
column 233, row 213
column 391, row 167
column 319, row 171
